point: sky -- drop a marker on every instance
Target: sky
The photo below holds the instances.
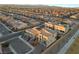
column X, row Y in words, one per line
column 63, row 3
column 66, row 5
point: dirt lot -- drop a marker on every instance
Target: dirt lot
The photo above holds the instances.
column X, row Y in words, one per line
column 74, row 49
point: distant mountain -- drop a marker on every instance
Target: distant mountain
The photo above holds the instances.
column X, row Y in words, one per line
column 31, row 6
column 23, row 6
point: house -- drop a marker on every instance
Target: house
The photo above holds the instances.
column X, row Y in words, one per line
column 76, row 16
column 16, row 24
column 60, row 27
column 44, row 36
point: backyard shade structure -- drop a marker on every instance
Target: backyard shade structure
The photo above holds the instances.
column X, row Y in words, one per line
column 4, row 30
column 6, row 38
column 16, row 44
column 20, row 46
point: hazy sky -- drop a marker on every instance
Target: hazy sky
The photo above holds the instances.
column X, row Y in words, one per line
column 64, row 3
